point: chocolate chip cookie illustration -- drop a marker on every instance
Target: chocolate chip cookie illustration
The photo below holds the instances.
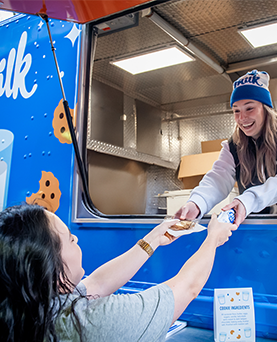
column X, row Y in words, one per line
column 60, row 125
column 49, row 193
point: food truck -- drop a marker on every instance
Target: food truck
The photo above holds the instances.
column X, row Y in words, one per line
column 113, row 152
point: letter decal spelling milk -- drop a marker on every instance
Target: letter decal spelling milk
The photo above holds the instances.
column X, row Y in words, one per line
column 29, row 94
column 19, row 67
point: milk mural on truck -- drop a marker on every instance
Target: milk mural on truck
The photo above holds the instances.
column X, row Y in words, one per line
column 39, row 140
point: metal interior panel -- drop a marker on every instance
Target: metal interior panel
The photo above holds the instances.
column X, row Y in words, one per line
column 107, row 125
column 129, row 123
column 159, row 180
column 113, row 183
column 204, row 128
column 149, row 129
column 170, row 146
column 129, row 153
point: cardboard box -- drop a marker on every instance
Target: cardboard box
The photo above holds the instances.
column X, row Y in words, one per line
column 211, row 145
column 194, row 167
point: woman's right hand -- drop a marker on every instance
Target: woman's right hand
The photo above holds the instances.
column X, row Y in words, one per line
column 238, row 206
column 188, row 212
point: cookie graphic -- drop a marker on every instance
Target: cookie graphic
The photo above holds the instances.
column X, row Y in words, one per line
column 238, row 337
column 232, row 299
column 232, row 331
column 49, row 193
column 60, row 125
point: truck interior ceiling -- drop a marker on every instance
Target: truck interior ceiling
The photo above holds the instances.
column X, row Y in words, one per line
column 139, row 126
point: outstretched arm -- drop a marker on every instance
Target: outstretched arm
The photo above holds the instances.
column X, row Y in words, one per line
column 109, row 277
column 259, row 197
column 254, row 199
column 187, row 284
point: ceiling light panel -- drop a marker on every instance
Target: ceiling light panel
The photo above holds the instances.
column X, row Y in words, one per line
column 153, row 60
column 260, row 35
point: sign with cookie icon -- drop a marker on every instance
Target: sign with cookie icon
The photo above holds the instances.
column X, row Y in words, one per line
column 49, row 193
column 234, row 318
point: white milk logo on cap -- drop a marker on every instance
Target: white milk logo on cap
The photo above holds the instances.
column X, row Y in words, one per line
column 257, row 79
column 252, row 86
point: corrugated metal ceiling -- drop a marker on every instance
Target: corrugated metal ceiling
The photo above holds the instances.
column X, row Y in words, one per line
column 210, row 25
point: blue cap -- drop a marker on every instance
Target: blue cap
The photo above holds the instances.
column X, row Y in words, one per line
column 252, row 86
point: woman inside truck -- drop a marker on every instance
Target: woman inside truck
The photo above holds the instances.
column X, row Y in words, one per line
column 248, row 157
column 43, row 297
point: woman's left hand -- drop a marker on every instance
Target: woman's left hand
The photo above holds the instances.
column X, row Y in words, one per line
column 239, row 208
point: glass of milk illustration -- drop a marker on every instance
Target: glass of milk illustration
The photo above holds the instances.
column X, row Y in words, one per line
column 222, row 337
column 245, row 295
column 247, row 332
column 6, row 146
column 221, row 299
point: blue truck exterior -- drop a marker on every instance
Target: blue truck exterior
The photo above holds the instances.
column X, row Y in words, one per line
column 30, row 93
column 31, row 149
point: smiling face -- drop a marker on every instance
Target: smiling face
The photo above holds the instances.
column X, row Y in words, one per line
column 71, row 253
column 250, row 117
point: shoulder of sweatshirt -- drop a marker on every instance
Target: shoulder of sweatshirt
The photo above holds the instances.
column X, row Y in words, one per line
column 225, row 154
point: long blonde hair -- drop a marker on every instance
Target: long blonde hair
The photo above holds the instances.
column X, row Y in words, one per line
column 265, row 151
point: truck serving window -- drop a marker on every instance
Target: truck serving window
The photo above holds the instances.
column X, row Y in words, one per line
column 139, row 126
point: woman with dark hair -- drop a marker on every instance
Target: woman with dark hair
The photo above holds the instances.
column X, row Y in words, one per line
column 248, row 157
column 31, row 272
column 42, row 297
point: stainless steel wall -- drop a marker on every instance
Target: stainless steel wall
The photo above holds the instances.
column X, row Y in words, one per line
column 149, row 136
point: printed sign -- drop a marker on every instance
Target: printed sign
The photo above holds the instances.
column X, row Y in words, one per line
column 234, row 318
